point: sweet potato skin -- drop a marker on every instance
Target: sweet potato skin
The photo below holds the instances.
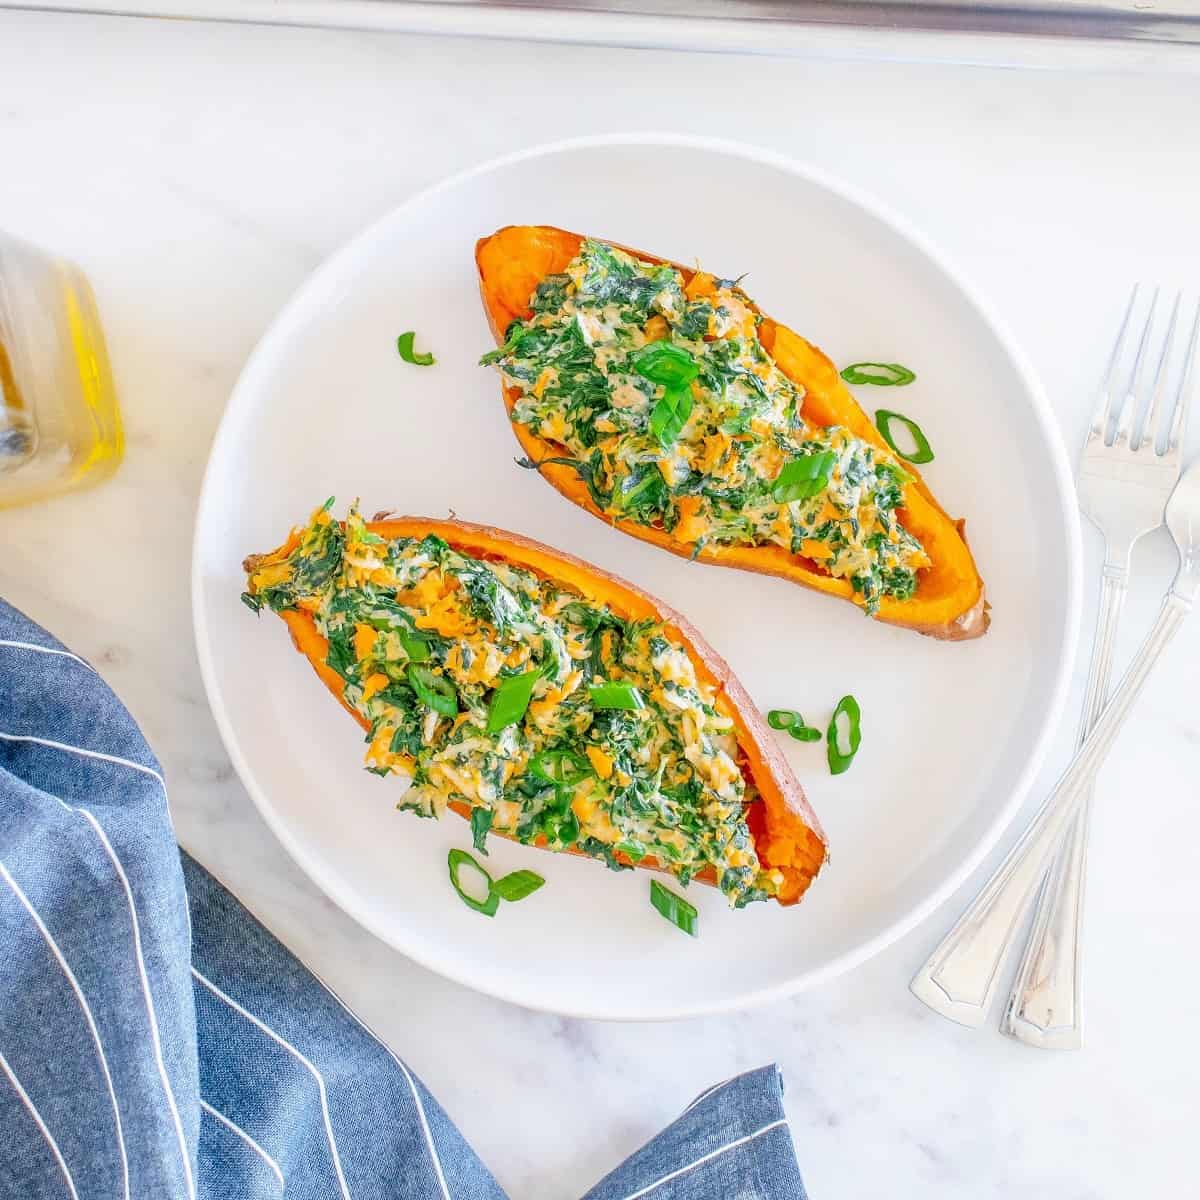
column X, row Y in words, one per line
column 950, row 603
column 788, row 837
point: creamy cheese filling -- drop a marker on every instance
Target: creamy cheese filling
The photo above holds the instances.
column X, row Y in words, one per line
column 423, row 637
column 575, row 365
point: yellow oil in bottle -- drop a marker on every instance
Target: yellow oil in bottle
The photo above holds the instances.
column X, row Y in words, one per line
column 60, row 427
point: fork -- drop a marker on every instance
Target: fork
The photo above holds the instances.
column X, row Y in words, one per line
column 1123, row 489
column 1124, row 486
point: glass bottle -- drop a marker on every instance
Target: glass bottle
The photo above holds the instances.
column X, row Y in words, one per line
column 60, row 427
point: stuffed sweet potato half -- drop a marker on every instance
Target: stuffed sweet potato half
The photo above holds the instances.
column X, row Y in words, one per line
column 543, row 700
column 662, row 401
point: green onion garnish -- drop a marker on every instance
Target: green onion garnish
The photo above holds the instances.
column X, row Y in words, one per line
column 674, row 368
column 456, row 860
column 616, row 695
column 840, row 760
column 415, row 646
column 923, row 452
column 665, row 363
column 675, row 908
column 563, row 768
column 510, row 700
column 879, row 374
column 803, row 477
column 404, row 343
column 670, row 414
column 436, row 691
column 481, row 822
column 792, row 722
column 517, row 885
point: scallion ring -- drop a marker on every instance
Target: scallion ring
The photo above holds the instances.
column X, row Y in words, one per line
column 675, row 908
column 665, row 363
column 922, row 452
column 878, row 374
column 789, row 721
column 404, row 343
column 839, row 759
column 517, row 885
column 616, row 695
column 435, row 691
column 456, row 860
column 803, row 477
column 510, row 700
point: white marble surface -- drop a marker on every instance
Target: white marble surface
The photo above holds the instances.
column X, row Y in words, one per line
column 200, row 172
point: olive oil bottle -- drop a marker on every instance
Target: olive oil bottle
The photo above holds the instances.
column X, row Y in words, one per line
column 60, row 427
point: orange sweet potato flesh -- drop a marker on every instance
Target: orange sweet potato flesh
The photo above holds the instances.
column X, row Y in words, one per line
column 787, row 835
column 949, row 602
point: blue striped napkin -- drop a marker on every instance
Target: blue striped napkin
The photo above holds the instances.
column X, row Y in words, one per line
column 157, row 1041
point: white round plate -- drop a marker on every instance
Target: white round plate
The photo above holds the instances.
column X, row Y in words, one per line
column 952, row 733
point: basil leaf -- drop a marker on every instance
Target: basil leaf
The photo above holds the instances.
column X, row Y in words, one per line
column 840, row 760
column 675, row 908
column 803, row 477
column 616, row 695
column 404, row 343
column 879, row 374
column 435, row 691
column 517, row 885
column 883, row 422
column 510, row 700
column 456, row 860
column 481, row 822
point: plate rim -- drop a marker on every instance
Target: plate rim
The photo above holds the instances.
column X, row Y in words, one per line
column 1062, row 477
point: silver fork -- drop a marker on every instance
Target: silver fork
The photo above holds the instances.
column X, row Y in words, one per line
column 1124, row 486
column 1123, row 489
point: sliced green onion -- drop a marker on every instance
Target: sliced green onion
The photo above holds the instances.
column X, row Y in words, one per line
column 665, row 363
column 790, row 721
column 563, row 768
column 803, row 477
column 517, row 885
column 510, row 700
column 436, row 691
column 675, row 908
column 456, row 860
column 634, row 851
column 415, row 646
column 616, row 695
column 404, row 343
column 481, row 822
column 879, row 374
column 670, row 414
column 923, row 452
column 839, row 759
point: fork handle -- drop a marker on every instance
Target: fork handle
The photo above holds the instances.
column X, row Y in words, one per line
column 1043, row 1007
column 959, row 979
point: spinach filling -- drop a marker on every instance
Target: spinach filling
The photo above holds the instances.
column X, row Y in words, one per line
column 700, row 451
column 425, row 639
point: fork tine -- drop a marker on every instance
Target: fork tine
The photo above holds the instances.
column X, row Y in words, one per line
column 1183, row 394
column 1149, row 435
column 1104, row 411
column 1130, row 404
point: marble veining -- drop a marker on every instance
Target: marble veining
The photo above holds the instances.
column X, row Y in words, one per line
column 199, row 172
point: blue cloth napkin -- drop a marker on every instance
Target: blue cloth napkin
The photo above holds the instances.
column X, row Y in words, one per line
column 157, row 1041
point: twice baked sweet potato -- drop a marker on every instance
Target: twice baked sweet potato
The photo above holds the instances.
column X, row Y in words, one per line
column 785, row 836
column 948, row 599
